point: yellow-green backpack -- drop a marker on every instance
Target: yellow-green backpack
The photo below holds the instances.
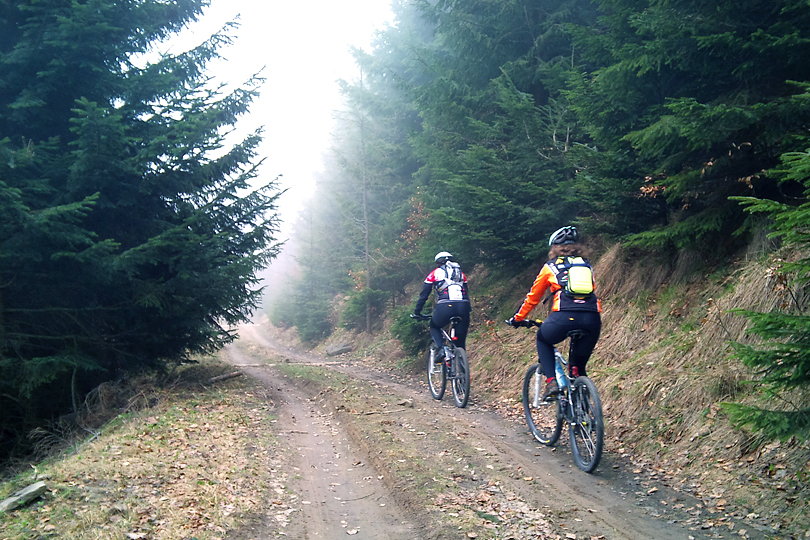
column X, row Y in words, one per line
column 574, row 274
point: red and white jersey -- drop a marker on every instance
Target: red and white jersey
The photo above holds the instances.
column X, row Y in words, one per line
column 446, row 289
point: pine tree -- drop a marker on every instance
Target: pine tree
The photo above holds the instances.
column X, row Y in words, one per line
column 131, row 234
column 498, row 137
column 783, row 361
column 695, row 101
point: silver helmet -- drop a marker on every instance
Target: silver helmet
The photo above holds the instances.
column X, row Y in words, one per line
column 564, row 235
column 442, row 257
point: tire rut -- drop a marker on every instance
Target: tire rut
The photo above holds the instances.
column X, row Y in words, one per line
column 337, row 492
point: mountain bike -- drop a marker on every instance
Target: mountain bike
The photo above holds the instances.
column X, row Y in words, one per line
column 454, row 367
column 577, row 403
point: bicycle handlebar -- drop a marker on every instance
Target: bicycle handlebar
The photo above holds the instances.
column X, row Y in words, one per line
column 528, row 323
column 420, row 316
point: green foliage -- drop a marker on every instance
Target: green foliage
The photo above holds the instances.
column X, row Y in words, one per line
column 130, row 234
column 696, row 109
column 771, row 424
column 412, row 334
column 313, row 324
column 791, row 221
column 496, row 147
column 783, row 362
column 687, row 232
column 309, row 315
column 361, row 304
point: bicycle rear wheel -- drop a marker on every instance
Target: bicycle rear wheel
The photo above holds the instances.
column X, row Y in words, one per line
column 588, row 430
column 436, row 375
column 460, row 382
column 544, row 418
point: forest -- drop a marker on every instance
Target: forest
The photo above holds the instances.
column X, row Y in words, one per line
column 478, row 127
column 131, row 233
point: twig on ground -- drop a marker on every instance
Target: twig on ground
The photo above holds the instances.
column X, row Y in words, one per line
column 382, row 412
column 224, row 377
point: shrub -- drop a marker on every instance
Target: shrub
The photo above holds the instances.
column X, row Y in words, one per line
column 412, row 334
column 354, row 311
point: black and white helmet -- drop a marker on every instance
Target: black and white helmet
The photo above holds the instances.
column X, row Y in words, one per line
column 565, row 235
column 442, row 257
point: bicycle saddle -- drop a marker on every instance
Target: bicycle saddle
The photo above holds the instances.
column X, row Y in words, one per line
column 576, row 334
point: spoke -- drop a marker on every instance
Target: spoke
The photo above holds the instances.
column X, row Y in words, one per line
column 588, row 441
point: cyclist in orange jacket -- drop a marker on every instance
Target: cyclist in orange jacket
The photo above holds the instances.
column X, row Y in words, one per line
column 568, row 312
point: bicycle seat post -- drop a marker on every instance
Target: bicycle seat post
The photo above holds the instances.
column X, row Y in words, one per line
column 559, row 371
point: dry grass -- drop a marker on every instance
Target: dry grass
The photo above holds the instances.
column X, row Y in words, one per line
column 191, row 466
column 664, row 399
column 663, row 366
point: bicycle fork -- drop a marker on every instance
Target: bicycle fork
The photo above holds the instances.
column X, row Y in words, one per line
column 580, row 417
column 537, row 393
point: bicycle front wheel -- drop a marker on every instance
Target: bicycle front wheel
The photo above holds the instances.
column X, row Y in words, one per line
column 461, row 378
column 544, row 418
column 587, row 432
column 436, row 375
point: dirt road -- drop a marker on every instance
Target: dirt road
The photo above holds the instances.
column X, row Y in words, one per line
column 338, row 493
column 374, row 456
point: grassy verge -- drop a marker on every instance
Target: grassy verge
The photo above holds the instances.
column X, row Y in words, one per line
column 194, row 465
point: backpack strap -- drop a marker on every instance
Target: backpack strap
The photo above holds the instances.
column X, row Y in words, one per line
column 452, row 276
column 557, row 267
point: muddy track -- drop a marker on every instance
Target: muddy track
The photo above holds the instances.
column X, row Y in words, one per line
column 336, row 491
column 400, row 462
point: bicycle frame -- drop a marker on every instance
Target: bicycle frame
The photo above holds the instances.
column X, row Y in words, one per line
column 576, row 404
column 454, row 369
column 450, row 336
column 450, row 347
column 564, row 383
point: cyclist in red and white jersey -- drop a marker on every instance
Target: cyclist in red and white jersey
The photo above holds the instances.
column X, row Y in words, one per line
column 452, row 299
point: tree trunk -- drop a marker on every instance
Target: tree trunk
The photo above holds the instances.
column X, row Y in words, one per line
column 364, row 179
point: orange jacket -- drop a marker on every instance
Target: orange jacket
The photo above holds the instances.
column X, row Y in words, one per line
column 544, row 281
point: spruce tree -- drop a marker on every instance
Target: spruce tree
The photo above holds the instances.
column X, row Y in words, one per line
column 782, row 361
column 693, row 102
column 131, row 232
column 498, row 137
